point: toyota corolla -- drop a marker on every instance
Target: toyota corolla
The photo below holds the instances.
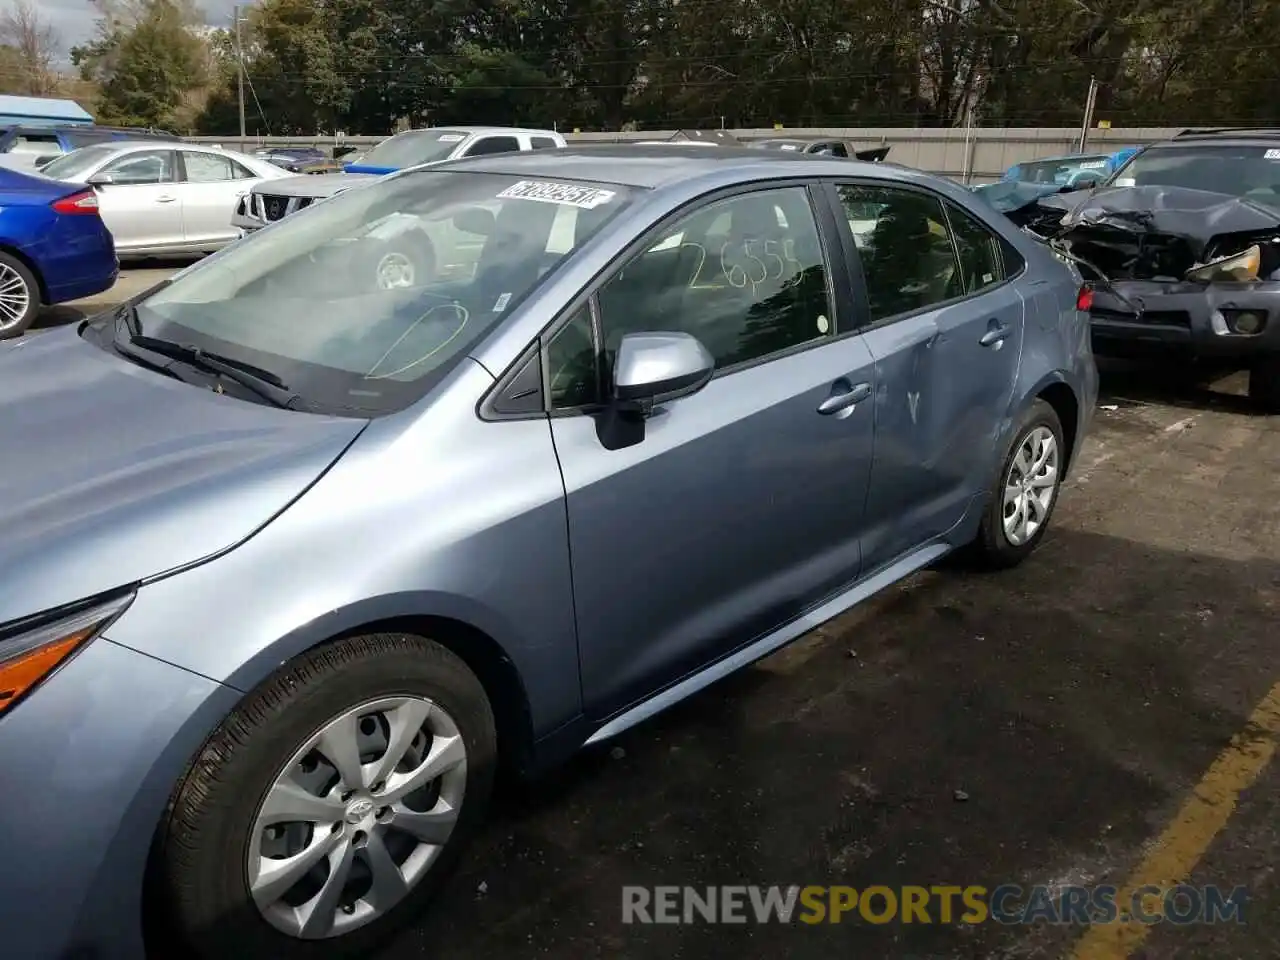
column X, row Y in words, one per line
column 472, row 467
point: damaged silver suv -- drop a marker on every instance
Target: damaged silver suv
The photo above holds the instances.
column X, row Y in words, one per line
column 1182, row 246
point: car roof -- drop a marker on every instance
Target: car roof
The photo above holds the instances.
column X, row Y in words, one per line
column 465, row 128
column 1225, row 136
column 649, row 166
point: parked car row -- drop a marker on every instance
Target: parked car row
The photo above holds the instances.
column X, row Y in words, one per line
column 353, row 537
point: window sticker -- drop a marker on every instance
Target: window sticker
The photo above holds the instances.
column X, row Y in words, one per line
column 1271, row 155
column 502, row 303
column 1126, row 182
column 584, row 198
column 1093, row 165
column 452, row 137
column 788, row 146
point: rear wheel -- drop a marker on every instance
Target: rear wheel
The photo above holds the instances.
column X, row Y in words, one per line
column 1025, row 491
column 19, row 296
column 330, row 806
column 1264, row 383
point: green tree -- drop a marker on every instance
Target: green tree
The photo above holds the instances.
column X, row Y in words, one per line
column 148, row 61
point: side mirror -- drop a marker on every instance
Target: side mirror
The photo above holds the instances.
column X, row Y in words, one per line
column 658, row 367
column 650, row 368
column 100, row 180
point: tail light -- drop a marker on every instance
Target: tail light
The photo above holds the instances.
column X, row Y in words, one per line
column 1084, row 299
column 84, row 202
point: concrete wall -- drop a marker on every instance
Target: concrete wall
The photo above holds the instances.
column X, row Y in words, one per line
column 986, row 153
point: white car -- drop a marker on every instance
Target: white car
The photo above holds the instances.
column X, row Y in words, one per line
column 411, row 148
column 165, row 199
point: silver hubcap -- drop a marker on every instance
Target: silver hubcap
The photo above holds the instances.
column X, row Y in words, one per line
column 1031, row 485
column 357, row 817
column 15, row 298
column 395, row 270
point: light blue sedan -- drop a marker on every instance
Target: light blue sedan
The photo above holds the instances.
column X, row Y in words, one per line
column 297, row 550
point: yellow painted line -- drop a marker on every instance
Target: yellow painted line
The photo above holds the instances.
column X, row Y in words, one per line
column 1184, row 841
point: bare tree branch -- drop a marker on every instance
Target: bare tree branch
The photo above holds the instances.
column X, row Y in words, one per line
column 35, row 42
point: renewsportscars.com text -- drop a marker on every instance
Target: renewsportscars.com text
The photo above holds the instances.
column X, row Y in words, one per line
column 1008, row 904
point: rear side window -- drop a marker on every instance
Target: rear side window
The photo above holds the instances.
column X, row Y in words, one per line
column 908, row 261
column 207, row 167
column 489, row 145
column 38, row 144
column 543, row 143
column 978, row 250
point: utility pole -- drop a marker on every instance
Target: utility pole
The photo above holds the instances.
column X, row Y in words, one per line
column 239, row 70
column 1090, row 102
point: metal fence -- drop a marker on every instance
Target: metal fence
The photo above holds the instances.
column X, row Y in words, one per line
column 979, row 154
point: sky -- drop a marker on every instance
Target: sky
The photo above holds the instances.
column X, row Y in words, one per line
column 75, row 20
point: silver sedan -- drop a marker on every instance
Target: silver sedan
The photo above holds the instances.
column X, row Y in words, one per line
column 165, row 199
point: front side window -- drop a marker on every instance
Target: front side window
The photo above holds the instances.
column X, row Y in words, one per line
column 908, row 262
column 207, row 167
column 142, row 168
column 361, row 303
column 745, row 275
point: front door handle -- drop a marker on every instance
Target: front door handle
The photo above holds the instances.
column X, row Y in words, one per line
column 843, row 401
column 995, row 334
column 165, row 199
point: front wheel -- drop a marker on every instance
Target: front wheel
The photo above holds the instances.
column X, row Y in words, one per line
column 1025, row 491
column 330, row 806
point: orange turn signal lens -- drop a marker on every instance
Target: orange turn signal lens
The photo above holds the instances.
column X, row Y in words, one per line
column 31, row 655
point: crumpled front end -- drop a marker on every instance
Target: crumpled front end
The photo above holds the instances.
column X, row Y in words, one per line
column 1187, row 269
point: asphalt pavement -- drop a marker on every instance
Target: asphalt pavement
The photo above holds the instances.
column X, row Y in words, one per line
column 1092, row 717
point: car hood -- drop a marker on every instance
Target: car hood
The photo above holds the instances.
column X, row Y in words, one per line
column 111, row 473
column 1154, row 233
column 1177, row 211
column 316, row 185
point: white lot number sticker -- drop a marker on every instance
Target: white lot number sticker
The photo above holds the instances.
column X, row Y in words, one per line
column 1271, row 155
column 1126, row 182
column 788, row 146
column 585, row 198
column 1093, row 165
column 452, row 137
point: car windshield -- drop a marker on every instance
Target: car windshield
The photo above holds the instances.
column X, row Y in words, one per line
column 1246, row 171
column 77, row 163
column 363, row 302
column 1059, row 171
column 414, row 147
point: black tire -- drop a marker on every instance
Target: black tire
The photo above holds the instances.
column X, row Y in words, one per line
column 1264, row 383
column 992, row 547
column 32, row 290
column 200, row 877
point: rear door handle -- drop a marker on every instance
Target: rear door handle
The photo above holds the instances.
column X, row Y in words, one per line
column 843, row 401
column 994, row 335
column 165, row 199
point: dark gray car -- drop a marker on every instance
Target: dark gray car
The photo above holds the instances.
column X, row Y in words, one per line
column 298, row 550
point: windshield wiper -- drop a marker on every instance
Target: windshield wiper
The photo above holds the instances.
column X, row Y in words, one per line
column 263, row 383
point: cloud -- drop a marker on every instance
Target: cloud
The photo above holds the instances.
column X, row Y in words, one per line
column 76, row 20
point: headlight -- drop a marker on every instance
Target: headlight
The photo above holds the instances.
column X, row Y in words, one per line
column 1242, row 266
column 32, row 649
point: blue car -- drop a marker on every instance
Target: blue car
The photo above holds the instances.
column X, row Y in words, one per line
column 298, row 550
column 54, row 247
column 1068, row 171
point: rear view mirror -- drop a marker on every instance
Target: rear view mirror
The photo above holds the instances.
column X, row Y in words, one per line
column 1086, row 181
column 475, row 220
column 46, row 160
